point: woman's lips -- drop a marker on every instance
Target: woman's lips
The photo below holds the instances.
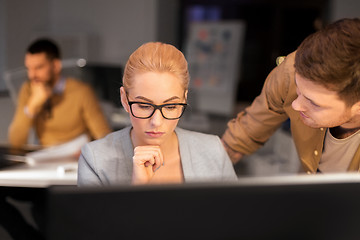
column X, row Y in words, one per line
column 154, row 134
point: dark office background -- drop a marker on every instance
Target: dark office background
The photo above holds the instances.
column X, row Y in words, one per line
column 273, row 28
column 106, row 32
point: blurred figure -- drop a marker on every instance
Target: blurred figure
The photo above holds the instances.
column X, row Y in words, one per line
column 153, row 149
column 318, row 88
column 60, row 109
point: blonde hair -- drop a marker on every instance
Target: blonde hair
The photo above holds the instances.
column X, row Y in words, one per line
column 156, row 57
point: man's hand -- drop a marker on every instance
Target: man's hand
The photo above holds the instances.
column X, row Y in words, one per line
column 234, row 156
column 40, row 92
column 146, row 160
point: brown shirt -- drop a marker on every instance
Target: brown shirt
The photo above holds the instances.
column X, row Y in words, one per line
column 253, row 126
column 74, row 112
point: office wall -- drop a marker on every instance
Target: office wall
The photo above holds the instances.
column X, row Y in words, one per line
column 344, row 9
column 113, row 28
column 2, row 42
column 18, row 19
column 168, row 22
column 22, row 19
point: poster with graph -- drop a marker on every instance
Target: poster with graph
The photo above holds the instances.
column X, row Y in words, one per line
column 214, row 51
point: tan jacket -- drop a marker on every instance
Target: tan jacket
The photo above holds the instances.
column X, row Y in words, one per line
column 74, row 112
column 253, row 126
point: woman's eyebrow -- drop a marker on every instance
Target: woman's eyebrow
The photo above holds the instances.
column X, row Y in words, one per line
column 151, row 101
column 143, row 98
column 171, row 99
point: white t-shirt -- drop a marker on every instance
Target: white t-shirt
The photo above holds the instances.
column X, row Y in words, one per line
column 338, row 153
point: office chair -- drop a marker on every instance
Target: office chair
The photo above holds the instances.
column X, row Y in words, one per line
column 14, row 79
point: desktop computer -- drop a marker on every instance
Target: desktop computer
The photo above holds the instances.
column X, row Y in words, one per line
column 252, row 208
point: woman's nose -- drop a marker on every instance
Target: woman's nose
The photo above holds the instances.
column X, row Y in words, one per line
column 157, row 118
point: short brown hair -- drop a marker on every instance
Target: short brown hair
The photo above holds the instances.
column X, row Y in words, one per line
column 331, row 57
column 156, row 57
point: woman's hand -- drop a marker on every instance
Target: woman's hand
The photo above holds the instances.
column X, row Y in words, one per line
column 146, row 160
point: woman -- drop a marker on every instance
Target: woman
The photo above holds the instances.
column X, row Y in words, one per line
column 153, row 149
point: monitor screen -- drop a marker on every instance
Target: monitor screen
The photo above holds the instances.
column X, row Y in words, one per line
column 262, row 208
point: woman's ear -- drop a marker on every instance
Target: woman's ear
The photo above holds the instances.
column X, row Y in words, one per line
column 123, row 99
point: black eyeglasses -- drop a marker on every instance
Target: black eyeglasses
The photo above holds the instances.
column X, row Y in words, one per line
column 170, row 111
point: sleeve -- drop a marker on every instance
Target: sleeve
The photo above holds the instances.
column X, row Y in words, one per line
column 94, row 117
column 255, row 125
column 87, row 174
column 21, row 123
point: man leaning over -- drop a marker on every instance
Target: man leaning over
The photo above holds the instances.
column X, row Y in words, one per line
column 318, row 89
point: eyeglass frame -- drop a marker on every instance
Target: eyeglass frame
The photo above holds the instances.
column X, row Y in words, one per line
column 155, row 108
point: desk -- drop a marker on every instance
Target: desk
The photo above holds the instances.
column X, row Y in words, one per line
column 23, row 190
column 40, row 175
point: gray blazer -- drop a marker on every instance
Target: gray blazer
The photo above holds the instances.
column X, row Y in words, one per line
column 108, row 161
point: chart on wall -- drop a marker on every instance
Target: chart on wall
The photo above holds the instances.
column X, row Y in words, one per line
column 213, row 51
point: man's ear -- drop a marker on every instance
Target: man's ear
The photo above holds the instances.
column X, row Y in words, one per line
column 123, row 99
column 186, row 93
column 57, row 65
column 356, row 108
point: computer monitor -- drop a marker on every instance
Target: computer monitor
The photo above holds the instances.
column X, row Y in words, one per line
column 267, row 208
column 106, row 79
